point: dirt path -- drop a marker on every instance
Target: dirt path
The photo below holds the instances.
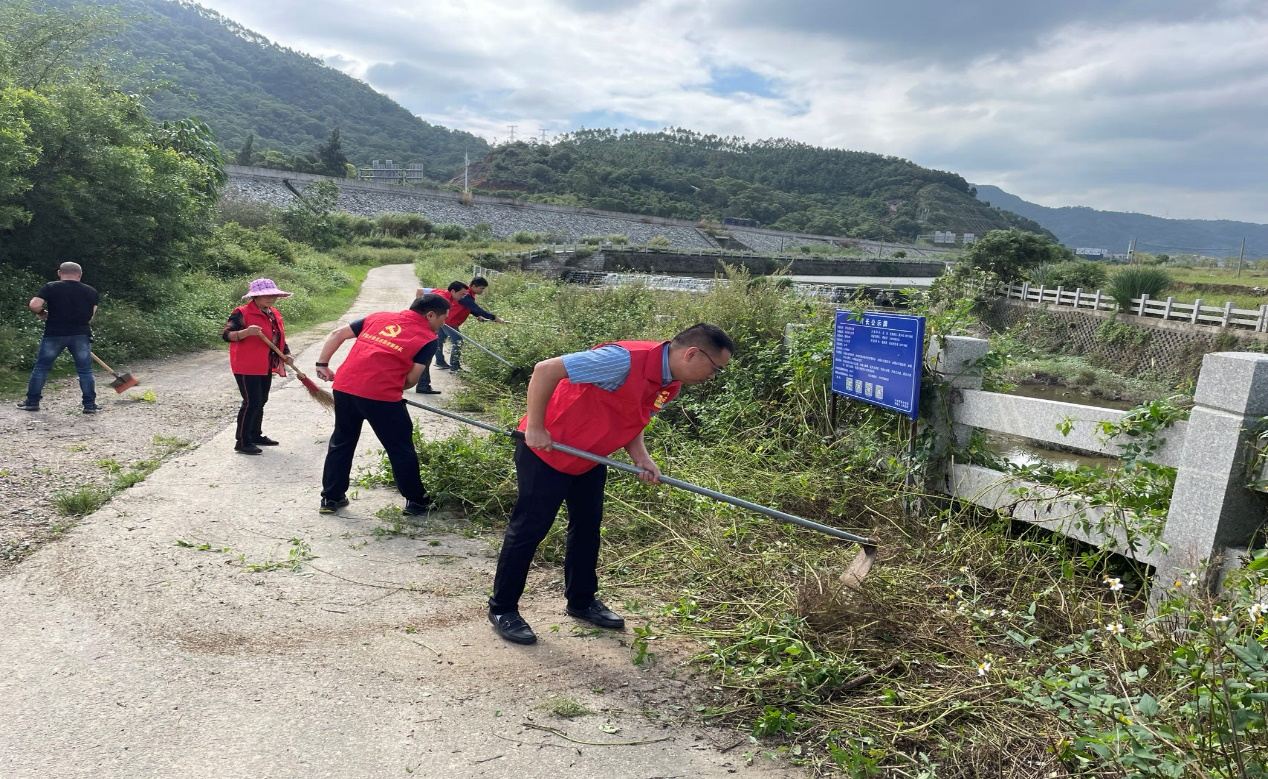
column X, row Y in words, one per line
column 129, row 655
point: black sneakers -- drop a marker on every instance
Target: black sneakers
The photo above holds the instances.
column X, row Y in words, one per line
column 331, row 505
column 598, row 614
column 413, row 509
column 263, row 441
column 27, row 405
column 93, row 409
column 421, row 390
column 512, row 627
column 247, row 449
column 440, row 362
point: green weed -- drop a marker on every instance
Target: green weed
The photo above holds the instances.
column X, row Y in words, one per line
column 565, row 708
column 80, row 502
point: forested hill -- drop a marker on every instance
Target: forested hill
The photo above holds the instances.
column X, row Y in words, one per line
column 240, row 83
column 1114, row 230
column 781, row 183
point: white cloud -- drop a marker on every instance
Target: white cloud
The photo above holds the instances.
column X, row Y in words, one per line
column 1151, row 106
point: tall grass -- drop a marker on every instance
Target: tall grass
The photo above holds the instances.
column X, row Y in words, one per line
column 1129, row 284
column 976, row 648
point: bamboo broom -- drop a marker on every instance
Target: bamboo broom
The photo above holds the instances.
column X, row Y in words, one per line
column 316, row 393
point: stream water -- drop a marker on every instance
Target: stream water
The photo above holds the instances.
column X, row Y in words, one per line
column 1023, row 451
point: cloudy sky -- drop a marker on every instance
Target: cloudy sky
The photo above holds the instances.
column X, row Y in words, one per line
column 1156, row 106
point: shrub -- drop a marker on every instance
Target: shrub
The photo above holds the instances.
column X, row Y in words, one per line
column 525, row 237
column 248, row 213
column 403, row 225
column 1130, row 283
column 449, row 232
column 658, row 242
column 1076, row 274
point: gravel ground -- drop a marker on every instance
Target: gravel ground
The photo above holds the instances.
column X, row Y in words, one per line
column 208, row 622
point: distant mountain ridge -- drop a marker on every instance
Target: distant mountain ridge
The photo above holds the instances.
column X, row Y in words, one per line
column 1078, row 226
column 244, row 86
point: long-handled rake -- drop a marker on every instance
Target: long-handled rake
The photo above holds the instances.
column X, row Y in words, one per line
column 854, row 573
column 122, row 381
column 316, row 393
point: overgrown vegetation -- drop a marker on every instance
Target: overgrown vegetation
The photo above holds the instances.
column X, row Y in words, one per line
column 1131, row 283
column 779, row 182
column 975, row 649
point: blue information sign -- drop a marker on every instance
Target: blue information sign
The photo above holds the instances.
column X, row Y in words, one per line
column 876, row 358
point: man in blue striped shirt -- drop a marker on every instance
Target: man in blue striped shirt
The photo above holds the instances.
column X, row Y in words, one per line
column 598, row 401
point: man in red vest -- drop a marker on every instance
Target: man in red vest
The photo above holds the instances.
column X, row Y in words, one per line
column 462, row 297
column 599, row 401
column 389, row 354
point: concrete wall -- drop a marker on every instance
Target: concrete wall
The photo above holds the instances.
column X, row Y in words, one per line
column 1152, row 347
column 668, row 262
column 369, row 199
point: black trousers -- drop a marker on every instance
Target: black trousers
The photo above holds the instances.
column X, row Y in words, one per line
column 255, row 393
column 542, row 491
column 395, row 430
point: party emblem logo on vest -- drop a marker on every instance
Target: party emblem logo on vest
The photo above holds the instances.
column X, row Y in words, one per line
column 391, row 331
column 661, row 399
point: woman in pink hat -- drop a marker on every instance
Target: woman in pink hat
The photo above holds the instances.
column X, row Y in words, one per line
column 252, row 361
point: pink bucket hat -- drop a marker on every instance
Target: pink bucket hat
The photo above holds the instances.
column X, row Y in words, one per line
column 262, row 287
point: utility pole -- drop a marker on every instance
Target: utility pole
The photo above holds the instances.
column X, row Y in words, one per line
column 512, row 127
column 1131, row 252
column 1241, row 257
column 466, row 166
column 543, row 132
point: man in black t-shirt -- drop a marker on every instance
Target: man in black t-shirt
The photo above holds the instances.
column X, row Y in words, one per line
column 66, row 306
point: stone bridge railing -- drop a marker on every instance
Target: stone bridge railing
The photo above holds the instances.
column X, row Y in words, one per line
column 1214, row 513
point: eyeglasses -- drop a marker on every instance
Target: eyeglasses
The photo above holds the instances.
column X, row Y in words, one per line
column 716, row 368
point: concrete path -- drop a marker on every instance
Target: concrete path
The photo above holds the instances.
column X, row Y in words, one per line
column 128, row 655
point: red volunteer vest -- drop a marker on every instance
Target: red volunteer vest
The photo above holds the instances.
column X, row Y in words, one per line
column 383, row 355
column 251, row 356
column 588, row 417
column 458, row 313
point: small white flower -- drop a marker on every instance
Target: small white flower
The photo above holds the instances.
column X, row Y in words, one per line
column 1116, row 628
column 1004, row 612
column 964, row 569
column 988, row 612
column 1220, row 619
column 982, row 668
column 1115, row 584
column 1257, row 610
column 1193, row 580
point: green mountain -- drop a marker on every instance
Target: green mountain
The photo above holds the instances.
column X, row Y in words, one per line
column 288, row 103
column 781, row 183
column 241, row 84
column 1076, row 226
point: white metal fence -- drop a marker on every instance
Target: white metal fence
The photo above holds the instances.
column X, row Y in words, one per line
column 1168, row 309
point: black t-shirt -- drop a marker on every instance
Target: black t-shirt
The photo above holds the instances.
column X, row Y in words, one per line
column 69, row 305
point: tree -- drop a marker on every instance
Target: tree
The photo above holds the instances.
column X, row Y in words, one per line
column 102, row 184
column 1009, row 254
column 330, row 157
column 245, row 154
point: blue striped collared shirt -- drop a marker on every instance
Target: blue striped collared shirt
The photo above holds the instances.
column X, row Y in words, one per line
column 607, row 367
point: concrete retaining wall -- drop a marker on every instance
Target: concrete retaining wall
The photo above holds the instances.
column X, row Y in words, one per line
column 667, row 262
column 369, row 199
column 1139, row 346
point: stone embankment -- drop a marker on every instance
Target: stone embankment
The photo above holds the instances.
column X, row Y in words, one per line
column 564, row 223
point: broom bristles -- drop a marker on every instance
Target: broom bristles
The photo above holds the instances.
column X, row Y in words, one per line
column 316, row 393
